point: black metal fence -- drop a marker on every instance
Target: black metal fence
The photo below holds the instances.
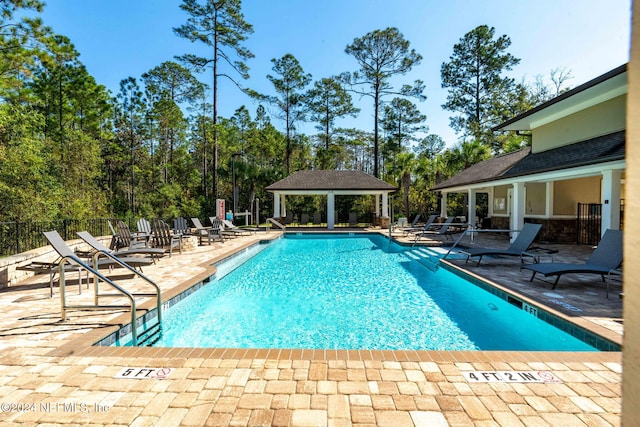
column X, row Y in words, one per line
column 17, row 237
column 588, row 223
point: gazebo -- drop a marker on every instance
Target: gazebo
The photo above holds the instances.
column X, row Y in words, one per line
column 332, row 183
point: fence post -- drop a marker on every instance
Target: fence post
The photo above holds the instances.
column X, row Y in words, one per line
column 17, row 236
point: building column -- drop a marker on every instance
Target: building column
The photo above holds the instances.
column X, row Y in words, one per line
column 385, row 205
column 377, row 209
column 517, row 208
column 283, row 206
column 471, row 210
column 548, row 210
column 610, row 199
column 331, row 210
column 443, row 204
column 276, row 205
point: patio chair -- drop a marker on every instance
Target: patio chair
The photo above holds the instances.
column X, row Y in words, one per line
column 129, row 239
column 116, row 241
column 144, row 229
column 304, row 219
column 152, row 253
column 606, row 257
column 413, row 229
column 353, row 219
column 180, row 226
column 163, row 237
column 317, row 218
column 518, row 248
column 210, row 233
column 442, row 231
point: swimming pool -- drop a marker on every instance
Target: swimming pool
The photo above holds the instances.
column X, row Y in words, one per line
column 350, row 292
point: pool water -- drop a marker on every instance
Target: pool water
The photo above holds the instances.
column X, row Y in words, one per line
column 350, row 292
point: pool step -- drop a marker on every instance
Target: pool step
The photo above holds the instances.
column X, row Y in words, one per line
column 150, row 335
column 425, row 256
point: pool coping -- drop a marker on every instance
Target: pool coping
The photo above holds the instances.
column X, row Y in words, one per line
column 85, row 346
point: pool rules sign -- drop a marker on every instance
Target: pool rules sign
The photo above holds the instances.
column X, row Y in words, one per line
column 510, row 377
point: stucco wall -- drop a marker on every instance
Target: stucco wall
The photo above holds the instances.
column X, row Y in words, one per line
column 568, row 193
column 535, row 198
column 598, row 120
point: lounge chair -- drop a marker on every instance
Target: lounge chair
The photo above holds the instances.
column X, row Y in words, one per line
column 413, row 224
column 163, row 237
column 74, row 263
column 152, row 253
column 228, row 229
column 210, row 233
column 606, row 257
column 517, row 248
column 442, row 231
column 413, row 229
column 60, row 246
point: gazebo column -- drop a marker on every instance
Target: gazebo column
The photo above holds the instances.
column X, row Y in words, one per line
column 610, row 200
column 377, row 210
column 443, row 204
column 331, row 203
column 276, row 205
column 283, row 206
column 517, row 208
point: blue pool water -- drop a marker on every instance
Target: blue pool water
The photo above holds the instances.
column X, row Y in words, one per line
column 358, row 292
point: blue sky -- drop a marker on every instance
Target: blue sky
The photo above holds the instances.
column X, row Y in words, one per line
column 122, row 38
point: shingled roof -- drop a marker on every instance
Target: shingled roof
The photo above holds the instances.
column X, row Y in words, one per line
column 485, row 171
column 326, row 180
column 601, row 149
column 597, row 150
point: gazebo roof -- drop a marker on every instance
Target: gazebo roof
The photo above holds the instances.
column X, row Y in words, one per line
column 328, row 180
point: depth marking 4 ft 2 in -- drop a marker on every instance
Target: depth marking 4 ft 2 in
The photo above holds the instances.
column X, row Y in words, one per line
column 510, row 377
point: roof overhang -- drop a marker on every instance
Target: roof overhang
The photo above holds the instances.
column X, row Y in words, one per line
column 556, row 175
column 596, row 91
column 335, row 192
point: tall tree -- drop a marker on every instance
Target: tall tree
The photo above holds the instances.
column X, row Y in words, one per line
column 130, row 125
column 328, row 101
column 167, row 86
column 381, row 55
column 219, row 24
column 475, row 79
column 289, row 82
column 402, row 121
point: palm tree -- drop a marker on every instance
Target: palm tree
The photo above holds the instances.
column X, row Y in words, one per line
column 401, row 169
